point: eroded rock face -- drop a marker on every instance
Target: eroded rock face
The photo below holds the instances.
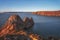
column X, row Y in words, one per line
column 13, row 24
column 14, row 21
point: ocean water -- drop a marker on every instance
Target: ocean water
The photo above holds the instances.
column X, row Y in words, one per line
column 44, row 25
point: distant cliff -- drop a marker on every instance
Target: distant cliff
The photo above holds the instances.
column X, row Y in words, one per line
column 47, row 13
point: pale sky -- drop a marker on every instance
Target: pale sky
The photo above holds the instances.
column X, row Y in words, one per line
column 29, row 5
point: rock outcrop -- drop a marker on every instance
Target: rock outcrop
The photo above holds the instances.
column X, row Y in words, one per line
column 13, row 24
column 47, row 13
column 28, row 22
column 14, row 29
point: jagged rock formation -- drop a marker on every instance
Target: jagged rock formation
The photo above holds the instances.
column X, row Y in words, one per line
column 48, row 13
column 28, row 22
column 14, row 29
column 14, row 23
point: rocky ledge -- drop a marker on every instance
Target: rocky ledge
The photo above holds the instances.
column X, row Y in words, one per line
column 47, row 13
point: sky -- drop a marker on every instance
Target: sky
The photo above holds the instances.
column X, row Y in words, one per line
column 29, row 5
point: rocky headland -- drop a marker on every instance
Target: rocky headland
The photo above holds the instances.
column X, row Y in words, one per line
column 16, row 29
column 47, row 13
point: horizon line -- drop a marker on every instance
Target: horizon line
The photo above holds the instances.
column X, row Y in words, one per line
column 29, row 11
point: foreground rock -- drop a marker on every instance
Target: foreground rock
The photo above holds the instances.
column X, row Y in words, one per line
column 14, row 29
column 47, row 13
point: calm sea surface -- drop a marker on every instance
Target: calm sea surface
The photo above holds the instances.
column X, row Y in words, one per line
column 44, row 25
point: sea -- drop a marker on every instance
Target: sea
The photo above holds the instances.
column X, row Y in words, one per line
column 43, row 25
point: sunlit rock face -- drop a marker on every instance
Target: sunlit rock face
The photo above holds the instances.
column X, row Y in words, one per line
column 14, row 29
column 13, row 24
column 48, row 13
column 35, row 37
column 16, row 21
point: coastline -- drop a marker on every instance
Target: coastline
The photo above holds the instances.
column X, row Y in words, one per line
column 47, row 13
